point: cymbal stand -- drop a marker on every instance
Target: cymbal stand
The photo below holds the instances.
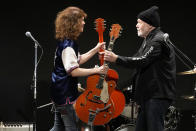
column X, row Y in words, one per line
column 194, row 91
column 194, row 117
column 130, row 88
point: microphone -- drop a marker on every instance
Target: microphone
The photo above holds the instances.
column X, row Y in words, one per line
column 166, row 37
column 28, row 34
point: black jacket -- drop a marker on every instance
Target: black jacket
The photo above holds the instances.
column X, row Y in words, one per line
column 155, row 68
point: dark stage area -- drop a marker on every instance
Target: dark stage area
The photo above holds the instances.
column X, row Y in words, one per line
column 17, row 51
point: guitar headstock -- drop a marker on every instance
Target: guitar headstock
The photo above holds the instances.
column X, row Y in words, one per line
column 99, row 25
column 115, row 31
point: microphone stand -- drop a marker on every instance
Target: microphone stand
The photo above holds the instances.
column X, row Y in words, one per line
column 35, row 89
column 167, row 40
column 34, row 86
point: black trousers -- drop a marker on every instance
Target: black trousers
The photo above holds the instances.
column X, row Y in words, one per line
column 151, row 115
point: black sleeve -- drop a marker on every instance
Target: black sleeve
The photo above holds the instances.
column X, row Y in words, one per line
column 151, row 53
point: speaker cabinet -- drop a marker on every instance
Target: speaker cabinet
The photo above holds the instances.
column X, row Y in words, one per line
column 16, row 126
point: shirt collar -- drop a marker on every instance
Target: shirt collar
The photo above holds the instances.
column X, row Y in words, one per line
column 152, row 33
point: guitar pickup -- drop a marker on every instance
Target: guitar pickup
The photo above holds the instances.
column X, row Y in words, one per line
column 96, row 97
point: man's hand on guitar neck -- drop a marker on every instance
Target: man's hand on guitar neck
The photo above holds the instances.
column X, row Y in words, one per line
column 109, row 56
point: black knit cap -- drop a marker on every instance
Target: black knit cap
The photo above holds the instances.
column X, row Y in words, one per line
column 150, row 16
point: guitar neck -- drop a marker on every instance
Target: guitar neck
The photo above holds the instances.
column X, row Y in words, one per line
column 100, row 37
column 102, row 76
column 111, row 44
column 101, row 49
column 110, row 48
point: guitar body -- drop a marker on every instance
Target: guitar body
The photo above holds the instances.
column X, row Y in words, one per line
column 96, row 105
column 118, row 99
column 87, row 103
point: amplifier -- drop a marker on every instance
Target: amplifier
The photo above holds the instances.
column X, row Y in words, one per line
column 16, row 126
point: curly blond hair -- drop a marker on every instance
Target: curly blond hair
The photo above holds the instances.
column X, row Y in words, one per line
column 67, row 23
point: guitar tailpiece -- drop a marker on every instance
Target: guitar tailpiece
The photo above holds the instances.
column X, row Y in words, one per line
column 91, row 118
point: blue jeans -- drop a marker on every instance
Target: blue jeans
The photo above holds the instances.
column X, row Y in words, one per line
column 152, row 114
column 65, row 118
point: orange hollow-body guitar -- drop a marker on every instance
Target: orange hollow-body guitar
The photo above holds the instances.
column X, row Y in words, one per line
column 94, row 106
column 117, row 96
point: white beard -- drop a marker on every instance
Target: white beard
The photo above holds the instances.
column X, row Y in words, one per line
column 139, row 33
